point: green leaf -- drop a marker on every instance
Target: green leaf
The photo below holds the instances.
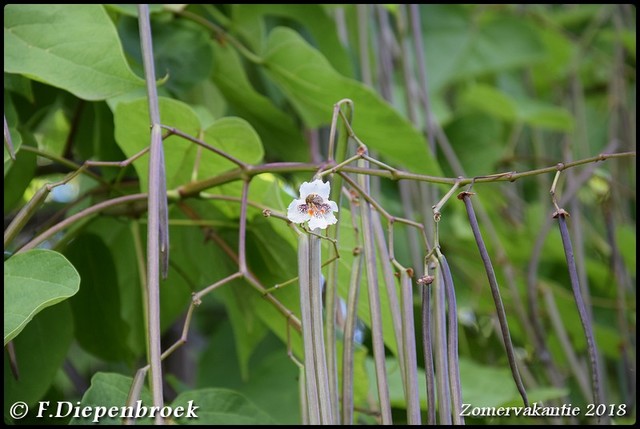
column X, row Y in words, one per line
column 40, row 350
column 34, row 280
column 236, row 137
column 543, row 115
column 459, row 45
column 248, row 330
column 132, row 134
column 222, row 407
column 313, row 87
column 110, row 390
column 277, row 130
column 274, row 381
column 73, row 47
column 233, row 135
column 96, row 308
column 560, row 51
column 490, row 100
column 20, row 85
column 320, row 26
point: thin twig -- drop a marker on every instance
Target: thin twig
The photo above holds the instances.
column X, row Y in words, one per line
column 193, row 189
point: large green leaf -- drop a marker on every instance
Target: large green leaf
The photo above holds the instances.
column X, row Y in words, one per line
column 73, row 47
column 132, row 134
column 236, row 137
column 459, row 45
column 250, row 21
column 233, row 135
column 277, row 130
column 313, row 87
column 96, row 308
column 40, row 350
column 34, row 280
column 220, row 407
column 110, row 390
column 559, row 52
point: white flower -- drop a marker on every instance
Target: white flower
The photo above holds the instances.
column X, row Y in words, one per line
column 313, row 206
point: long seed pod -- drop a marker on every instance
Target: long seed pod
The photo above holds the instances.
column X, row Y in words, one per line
column 495, row 292
column 452, row 340
column 349, row 341
column 592, row 350
column 374, row 303
column 427, row 346
column 409, row 343
column 317, row 334
column 307, row 336
column 440, row 350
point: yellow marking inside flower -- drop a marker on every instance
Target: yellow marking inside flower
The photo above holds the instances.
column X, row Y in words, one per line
column 315, row 205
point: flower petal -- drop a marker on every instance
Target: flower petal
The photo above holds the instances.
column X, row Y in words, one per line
column 318, row 222
column 330, row 218
column 323, row 189
column 315, row 187
column 333, row 205
column 294, row 214
column 307, row 188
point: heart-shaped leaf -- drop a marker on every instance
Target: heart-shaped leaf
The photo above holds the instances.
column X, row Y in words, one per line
column 73, row 47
